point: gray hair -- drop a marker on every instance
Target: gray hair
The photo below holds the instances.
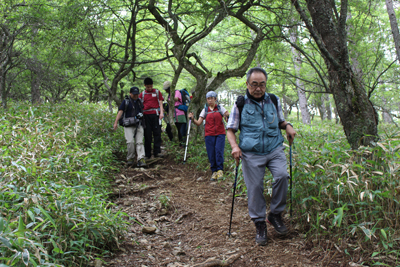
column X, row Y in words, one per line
column 256, row 69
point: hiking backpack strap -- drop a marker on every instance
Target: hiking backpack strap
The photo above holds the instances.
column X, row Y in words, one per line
column 141, row 104
column 240, row 101
column 158, row 101
column 126, row 105
column 219, row 111
column 274, row 100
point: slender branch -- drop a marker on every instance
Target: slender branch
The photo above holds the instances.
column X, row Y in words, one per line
column 310, row 61
column 377, row 79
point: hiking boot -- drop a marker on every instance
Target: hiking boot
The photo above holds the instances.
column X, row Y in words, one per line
column 276, row 221
column 220, row 174
column 130, row 162
column 261, row 233
column 159, row 155
column 141, row 163
column 214, row 177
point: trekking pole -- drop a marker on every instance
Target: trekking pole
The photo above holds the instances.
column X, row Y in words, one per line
column 233, row 198
column 187, row 141
column 291, row 179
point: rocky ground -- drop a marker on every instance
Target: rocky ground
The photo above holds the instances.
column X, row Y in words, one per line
column 180, row 218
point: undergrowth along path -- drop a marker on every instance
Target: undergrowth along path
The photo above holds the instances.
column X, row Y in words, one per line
column 190, row 219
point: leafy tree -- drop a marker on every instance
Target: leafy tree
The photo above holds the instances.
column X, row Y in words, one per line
column 14, row 23
column 120, row 43
column 328, row 29
column 188, row 24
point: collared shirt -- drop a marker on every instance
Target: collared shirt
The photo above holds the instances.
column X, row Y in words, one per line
column 234, row 120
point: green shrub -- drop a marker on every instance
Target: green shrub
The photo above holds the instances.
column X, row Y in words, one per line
column 55, row 167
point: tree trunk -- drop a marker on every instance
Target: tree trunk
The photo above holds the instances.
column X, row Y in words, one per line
column 305, row 115
column 285, row 108
column 35, row 84
column 357, row 114
column 3, row 89
column 387, row 118
column 337, row 119
column 394, row 26
column 321, row 107
column 328, row 107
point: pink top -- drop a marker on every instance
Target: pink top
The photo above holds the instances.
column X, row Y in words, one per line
column 177, row 103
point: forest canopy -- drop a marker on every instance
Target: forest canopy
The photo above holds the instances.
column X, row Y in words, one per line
column 336, row 61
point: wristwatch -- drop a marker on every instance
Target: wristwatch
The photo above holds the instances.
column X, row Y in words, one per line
column 288, row 123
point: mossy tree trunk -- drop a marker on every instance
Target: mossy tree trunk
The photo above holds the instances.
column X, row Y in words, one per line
column 328, row 29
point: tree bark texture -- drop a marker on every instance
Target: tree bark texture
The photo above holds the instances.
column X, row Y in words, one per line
column 394, row 26
column 357, row 114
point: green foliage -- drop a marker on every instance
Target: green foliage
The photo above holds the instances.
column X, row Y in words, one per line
column 345, row 193
column 55, row 165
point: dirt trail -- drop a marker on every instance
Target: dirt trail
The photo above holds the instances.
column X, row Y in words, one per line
column 193, row 230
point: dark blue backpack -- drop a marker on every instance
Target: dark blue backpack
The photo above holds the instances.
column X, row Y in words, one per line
column 185, row 100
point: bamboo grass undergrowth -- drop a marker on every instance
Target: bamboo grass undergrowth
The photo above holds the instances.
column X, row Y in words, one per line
column 55, row 168
column 350, row 195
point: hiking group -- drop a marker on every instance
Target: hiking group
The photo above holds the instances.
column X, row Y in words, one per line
column 141, row 115
column 258, row 115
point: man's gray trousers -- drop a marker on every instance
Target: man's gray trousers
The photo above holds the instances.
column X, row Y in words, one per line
column 253, row 167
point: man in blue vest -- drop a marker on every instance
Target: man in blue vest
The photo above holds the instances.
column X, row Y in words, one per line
column 260, row 121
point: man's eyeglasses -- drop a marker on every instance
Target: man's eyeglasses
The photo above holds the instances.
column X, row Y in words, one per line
column 256, row 85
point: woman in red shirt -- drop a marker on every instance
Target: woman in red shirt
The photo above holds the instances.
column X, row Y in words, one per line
column 214, row 132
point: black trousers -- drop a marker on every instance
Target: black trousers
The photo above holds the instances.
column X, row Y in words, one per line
column 168, row 130
column 153, row 129
column 181, row 132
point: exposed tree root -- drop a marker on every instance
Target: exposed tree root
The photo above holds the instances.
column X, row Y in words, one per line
column 214, row 262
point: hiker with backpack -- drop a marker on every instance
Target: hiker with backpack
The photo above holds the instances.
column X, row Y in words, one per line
column 130, row 115
column 258, row 115
column 214, row 132
column 153, row 114
column 181, row 103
